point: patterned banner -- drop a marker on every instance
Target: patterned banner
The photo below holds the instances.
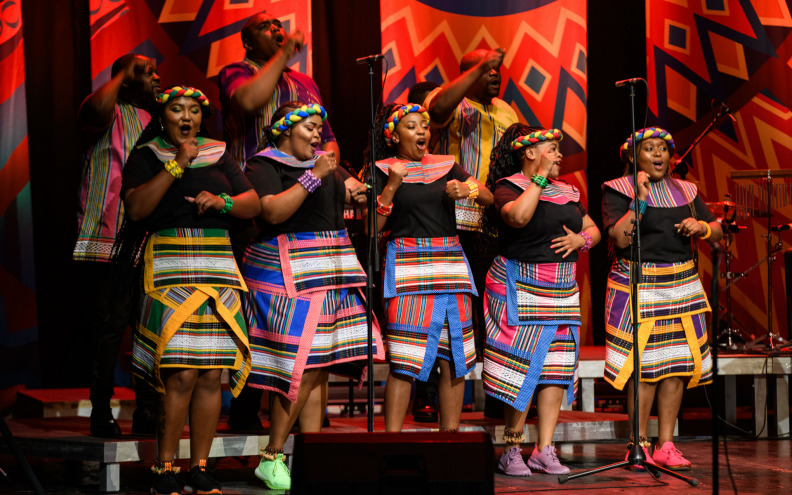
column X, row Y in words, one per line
column 543, row 74
column 18, row 320
column 190, row 40
column 739, row 52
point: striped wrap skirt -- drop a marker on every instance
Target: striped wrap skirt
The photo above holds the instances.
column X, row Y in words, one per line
column 190, row 309
column 304, row 309
column 532, row 316
column 427, row 290
column 672, row 332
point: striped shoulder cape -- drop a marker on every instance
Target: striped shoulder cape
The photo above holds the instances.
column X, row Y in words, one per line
column 209, row 151
column 558, row 192
column 667, row 193
column 284, row 159
column 428, row 170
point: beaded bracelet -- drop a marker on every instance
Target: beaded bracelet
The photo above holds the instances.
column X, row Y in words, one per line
column 174, row 169
column 383, row 209
column 642, row 205
column 228, row 201
column 585, row 235
column 309, row 181
column 540, row 180
column 474, row 190
column 706, row 226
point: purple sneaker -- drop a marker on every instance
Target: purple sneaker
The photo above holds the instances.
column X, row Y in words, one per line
column 512, row 464
column 546, row 461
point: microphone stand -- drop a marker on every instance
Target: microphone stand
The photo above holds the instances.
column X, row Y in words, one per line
column 681, row 168
column 636, row 456
column 714, row 291
column 373, row 255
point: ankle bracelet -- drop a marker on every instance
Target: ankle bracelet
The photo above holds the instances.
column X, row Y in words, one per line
column 162, row 467
column 642, row 441
column 513, row 437
column 448, row 430
column 270, row 453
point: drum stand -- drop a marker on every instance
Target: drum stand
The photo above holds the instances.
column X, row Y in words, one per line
column 769, row 342
column 729, row 337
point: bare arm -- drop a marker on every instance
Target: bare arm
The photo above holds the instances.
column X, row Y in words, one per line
column 573, row 241
column 97, row 111
column 257, row 91
column 443, row 104
column 140, row 202
column 620, row 233
column 277, row 208
column 460, row 190
column 396, row 174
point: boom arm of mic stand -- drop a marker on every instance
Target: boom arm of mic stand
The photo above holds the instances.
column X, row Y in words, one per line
column 698, row 139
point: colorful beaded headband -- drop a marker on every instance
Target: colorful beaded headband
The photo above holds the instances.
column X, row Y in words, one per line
column 536, row 137
column 651, row 132
column 399, row 114
column 179, row 91
column 297, row 115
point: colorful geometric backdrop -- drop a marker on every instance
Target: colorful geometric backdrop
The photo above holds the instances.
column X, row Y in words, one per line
column 18, row 320
column 740, row 52
column 191, row 40
column 543, row 73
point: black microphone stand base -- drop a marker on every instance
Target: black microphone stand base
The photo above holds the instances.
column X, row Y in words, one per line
column 731, row 339
column 636, row 459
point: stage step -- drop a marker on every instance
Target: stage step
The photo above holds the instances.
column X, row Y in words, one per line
column 69, row 402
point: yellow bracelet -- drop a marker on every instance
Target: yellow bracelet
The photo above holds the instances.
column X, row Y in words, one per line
column 706, row 226
column 174, row 169
column 474, row 190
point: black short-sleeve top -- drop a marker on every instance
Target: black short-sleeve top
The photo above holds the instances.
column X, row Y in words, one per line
column 559, row 205
column 669, row 202
column 421, row 207
column 213, row 170
column 272, row 172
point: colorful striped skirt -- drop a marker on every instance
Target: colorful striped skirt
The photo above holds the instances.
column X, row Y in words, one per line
column 323, row 325
column 190, row 310
column 672, row 332
column 427, row 291
column 532, row 315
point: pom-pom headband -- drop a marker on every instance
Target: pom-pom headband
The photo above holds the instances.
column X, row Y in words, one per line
column 399, row 114
column 537, row 137
column 186, row 91
column 651, row 132
column 297, row 115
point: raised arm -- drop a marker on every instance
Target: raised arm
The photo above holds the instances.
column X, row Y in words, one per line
column 97, row 110
column 256, row 92
column 442, row 105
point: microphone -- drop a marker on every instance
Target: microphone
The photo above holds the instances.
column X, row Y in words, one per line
column 370, row 59
column 726, row 110
column 634, row 80
column 781, row 228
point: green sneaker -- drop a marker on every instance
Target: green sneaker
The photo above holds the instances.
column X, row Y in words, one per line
column 274, row 474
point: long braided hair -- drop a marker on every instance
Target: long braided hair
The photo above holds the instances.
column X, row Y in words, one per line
column 504, row 162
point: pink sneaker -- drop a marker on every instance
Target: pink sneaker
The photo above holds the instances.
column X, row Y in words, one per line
column 670, row 457
column 546, row 461
column 649, row 459
column 511, row 463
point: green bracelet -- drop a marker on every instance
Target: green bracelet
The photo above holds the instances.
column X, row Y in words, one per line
column 228, row 201
column 539, row 180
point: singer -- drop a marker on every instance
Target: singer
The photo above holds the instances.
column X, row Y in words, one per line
column 250, row 91
column 672, row 302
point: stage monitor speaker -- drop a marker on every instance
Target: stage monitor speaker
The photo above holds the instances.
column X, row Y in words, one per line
column 409, row 463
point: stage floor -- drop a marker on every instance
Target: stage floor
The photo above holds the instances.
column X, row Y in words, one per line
column 759, row 467
column 762, row 466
